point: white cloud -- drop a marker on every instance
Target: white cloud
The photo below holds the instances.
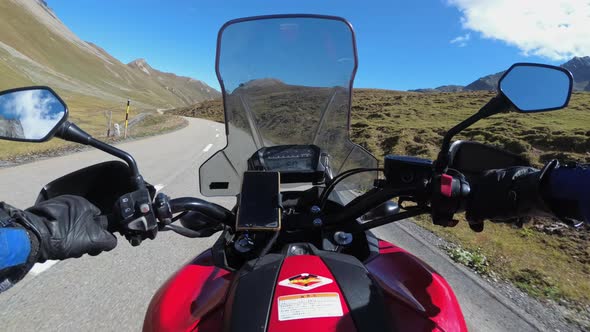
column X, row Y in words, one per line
column 37, row 110
column 461, row 41
column 555, row 29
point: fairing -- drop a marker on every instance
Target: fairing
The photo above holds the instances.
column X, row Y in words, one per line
column 405, row 278
column 285, row 80
column 191, row 300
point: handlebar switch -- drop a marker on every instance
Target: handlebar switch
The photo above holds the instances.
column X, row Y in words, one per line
column 136, row 217
column 126, row 206
column 163, row 209
column 403, row 171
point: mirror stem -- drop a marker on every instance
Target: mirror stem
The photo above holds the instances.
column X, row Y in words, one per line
column 496, row 105
column 70, row 132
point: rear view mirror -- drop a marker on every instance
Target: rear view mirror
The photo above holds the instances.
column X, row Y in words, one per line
column 30, row 114
column 536, row 87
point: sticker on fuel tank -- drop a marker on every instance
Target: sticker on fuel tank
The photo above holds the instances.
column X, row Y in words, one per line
column 313, row 305
column 305, row 281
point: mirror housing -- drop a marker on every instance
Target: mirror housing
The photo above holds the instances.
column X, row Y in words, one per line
column 533, row 87
column 554, row 81
column 31, row 114
column 473, row 157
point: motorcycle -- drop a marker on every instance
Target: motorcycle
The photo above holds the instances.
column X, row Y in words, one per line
column 296, row 251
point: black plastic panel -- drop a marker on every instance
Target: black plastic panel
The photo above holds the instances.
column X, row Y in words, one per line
column 251, row 295
column 101, row 184
column 473, row 157
column 363, row 296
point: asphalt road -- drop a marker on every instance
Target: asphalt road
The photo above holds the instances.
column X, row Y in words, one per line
column 111, row 292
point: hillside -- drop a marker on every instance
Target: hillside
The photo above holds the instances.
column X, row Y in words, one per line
column 36, row 48
column 398, row 122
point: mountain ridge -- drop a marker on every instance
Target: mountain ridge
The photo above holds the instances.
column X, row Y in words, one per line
column 578, row 66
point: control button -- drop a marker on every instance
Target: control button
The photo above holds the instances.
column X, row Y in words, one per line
column 446, row 185
column 127, row 212
column 144, row 208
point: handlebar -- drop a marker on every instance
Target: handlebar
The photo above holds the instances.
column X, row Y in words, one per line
column 211, row 210
column 365, row 203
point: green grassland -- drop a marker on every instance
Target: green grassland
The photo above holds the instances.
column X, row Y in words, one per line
column 547, row 266
column 389, row 122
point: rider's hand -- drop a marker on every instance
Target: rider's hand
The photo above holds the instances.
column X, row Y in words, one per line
column 567, row 192
column 66, row 227
column 504, row 194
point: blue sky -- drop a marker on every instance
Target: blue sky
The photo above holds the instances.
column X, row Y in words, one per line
column 401, row 45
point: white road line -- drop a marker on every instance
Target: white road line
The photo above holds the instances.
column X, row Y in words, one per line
column 217, row 135
column 42, row 267
column 208, row 147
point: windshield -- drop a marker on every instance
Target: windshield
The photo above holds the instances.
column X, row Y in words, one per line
column 285, row 80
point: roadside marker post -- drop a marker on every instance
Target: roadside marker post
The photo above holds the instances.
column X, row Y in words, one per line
column 109, row 115
column 126, row 118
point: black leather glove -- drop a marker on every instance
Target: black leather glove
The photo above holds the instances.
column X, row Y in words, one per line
column 509, row 193
column 66, row 227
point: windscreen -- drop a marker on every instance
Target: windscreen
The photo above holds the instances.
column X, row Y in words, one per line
column 285, row 80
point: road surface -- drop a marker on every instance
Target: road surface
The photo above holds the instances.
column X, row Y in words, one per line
column 111, row 292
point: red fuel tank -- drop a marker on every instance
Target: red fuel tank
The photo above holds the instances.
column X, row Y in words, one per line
column 417, row 295
column 315, row 291
column 191, row 300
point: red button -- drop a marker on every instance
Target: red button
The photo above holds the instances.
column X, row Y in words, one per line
column 446, row 185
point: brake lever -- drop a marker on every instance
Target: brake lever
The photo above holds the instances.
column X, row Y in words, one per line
column 191, row 233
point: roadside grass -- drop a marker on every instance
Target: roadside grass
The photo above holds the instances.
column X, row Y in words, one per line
column 209, row 110
column 473, row 259
column 537, row 263
column 155, row 124
column 546, row 266
column 89, row 114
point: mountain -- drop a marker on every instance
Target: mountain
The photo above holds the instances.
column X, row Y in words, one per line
column 188, row 90
column 489, row 82
column 11, row 128
column 578, row 66
column 36, row 48
column 444, row 88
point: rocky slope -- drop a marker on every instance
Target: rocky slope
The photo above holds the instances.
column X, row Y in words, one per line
column 11, row 128
column 187, row 89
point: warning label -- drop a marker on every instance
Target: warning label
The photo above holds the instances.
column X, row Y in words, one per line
column 314, row 305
